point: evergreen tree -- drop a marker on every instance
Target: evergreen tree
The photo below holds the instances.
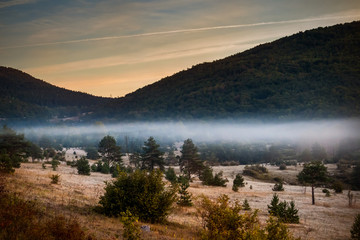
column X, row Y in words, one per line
column 109, row 151
column 83, row 166
column 190, row 162
column 313, row 173
column 185, row 196
column 238, row 182
column 152, row 156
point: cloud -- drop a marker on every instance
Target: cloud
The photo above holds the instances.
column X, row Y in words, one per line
column 11, row 3
column 180, row 31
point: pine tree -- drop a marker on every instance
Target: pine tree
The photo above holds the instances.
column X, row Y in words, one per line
column 152, row 155
column 190, row 162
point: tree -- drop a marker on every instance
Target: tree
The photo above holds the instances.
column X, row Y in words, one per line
column 13, row 147
column 152, row 156
column 313, row 173
column 92, row 153
column 142, row 193
column 284, row 211
column 190, row 162
column 83, row 166
column 109, row 151
column 238, row 182
column 184, row 195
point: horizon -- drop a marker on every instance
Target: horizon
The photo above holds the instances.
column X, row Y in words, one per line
column 112, row 49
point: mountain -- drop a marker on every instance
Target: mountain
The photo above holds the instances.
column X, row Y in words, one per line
column 312, row 74
column 309, row 75
column 25, row 97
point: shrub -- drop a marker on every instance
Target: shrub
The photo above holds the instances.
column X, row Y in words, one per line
column 246, row 205
column 170, row 175
column 54, row 164
column 131, row 229
column 355, row 229
column 105, row 168
column 256, row 171
column 337, row 186
column 185, row 196
column 43, row 166
column 284, row 211
column 238, row 182
column 327, row 192
column 142, row 193
column 83, row 166
column 55, row 178
column 282, row 166
column 224, row 222
column 209, row 179
column 278, row 187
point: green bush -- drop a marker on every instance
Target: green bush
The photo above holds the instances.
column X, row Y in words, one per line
column 238, row 182
column 184, row 196
column 278, row 187
column 83, row 166
column 131, row 229
column 142, row 193
column 222, row 221
column 284, row 211
column 246, row 205
column 170, row 175
column 54, row 164
column 55, row 178
column 282, row 166
column 355, row 229
column 327, row 192
column 337, row 186
column 209, row 179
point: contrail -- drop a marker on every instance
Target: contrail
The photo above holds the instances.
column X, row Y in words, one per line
column 188, row 30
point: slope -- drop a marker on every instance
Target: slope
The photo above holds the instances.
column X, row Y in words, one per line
column 23, row 96
column 312, row 74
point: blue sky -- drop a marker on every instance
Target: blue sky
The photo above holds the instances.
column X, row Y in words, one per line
column 115, row 47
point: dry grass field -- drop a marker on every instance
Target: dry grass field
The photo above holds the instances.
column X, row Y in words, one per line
column 75, row 195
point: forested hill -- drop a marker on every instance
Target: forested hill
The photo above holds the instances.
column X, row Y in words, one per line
column 312, row 74
column 25, row 97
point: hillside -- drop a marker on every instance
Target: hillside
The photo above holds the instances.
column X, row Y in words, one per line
column 23, row 96
column 312, row 74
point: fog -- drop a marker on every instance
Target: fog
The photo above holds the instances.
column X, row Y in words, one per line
column 321, row 131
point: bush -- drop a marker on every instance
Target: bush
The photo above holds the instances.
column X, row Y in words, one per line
column 355, row 229
column 282, row 166
column 238, row 182
column 83, row 166
column 209, row 179
column 142, row 193
column 256, row 171
column 327, row 192
column 185, row 196
column 224, row 222
column 246, row 205
column 284, row 211
column 55, row 178
column 278, row 187
column 54, row 164
column 170, row 175
column 105, row 168
column 337, row 186
column 131, row 229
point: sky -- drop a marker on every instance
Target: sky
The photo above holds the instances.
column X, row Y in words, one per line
column 111, row 48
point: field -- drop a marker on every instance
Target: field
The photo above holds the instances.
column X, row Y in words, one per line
column 76, row 195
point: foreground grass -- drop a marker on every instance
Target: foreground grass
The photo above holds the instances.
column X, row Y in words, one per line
column 75, row 196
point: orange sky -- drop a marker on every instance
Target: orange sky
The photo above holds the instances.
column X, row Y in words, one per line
column 111, row 48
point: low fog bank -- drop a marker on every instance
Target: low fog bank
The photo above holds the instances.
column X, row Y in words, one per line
column 321, row 131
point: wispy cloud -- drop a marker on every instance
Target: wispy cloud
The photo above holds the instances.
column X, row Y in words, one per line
column 5, row 4
column 178, row 31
